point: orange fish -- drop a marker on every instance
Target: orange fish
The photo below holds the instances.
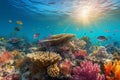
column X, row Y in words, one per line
column 19, row 22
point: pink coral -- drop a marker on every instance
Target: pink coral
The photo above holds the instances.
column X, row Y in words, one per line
column 87, row 71
column 80, row 53
column 65, row 67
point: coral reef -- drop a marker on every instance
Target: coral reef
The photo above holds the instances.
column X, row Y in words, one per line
column 100, row 53
column 87, row 71
column 79, row 44
column 45, row 60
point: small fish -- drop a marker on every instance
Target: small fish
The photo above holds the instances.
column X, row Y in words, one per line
column 107, row 31
column 10, row 21
column 2, row 38
column 19, row 22
column 102, row 38
column 51, row 2
column 115, row 30
column 16, row 29
column 91, row 31
column 36, row 35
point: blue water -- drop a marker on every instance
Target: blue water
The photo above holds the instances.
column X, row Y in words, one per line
column 39, row 17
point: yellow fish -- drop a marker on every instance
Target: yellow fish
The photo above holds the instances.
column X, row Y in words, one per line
column 2, row 38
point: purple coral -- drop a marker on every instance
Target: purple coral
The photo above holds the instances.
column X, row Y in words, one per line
column 87, row 71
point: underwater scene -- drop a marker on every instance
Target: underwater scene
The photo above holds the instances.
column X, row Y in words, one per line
column 59, row 39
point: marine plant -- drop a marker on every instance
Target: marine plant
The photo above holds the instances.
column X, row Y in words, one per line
column 87, row 71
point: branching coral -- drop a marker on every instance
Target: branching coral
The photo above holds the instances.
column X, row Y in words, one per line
column 112, row 71
column 87, row 71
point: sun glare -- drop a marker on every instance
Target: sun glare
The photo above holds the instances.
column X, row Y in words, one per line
column 88, row 11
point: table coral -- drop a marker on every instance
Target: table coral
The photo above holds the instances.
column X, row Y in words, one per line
column 44, row 59
column 87, row 71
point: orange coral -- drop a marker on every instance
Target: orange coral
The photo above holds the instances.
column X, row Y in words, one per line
column 5, row 57
column 15, row 52
column 112, row 69
column 108, row 68
column 65, row 67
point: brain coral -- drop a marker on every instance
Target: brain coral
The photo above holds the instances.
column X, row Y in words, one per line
column 53, row 70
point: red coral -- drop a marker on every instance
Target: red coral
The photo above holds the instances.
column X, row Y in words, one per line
column 65, row 67
column 5, row 57
column 80, row 53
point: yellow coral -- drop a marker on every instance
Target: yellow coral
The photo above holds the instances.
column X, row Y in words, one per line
column 15, row 52
column 53, row 70
column 44, row 59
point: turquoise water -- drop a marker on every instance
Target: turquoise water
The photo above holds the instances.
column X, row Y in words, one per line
column 47, row 18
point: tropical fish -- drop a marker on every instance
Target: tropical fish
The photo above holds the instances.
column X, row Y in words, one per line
column 51, row 2
column 17, row 29
column 115, row 30
column 14, row 40
column 36, row 35
column 91, row 31
column 107, row 31
column 102, row 38
column 10, row 21
column 19, row 22
column 2, row 38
